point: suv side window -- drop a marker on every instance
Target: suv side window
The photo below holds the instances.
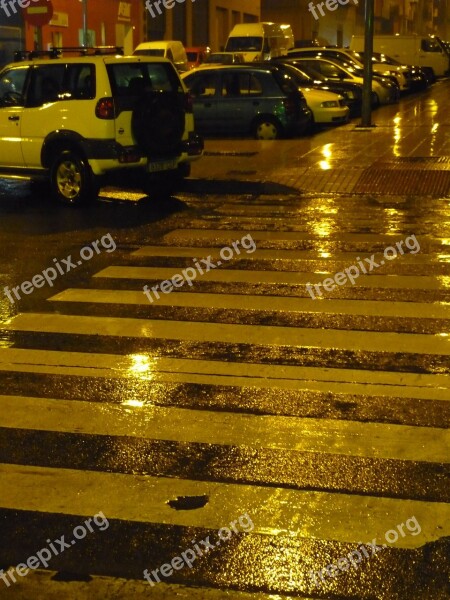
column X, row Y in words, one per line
column 237, row 84
column 47, row 84
column 12, row 86
column 81, row 81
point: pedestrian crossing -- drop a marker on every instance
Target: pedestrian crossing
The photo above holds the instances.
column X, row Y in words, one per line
column 326, row 421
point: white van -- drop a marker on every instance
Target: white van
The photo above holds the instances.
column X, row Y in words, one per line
column 171, row 49
column 260, row 41
column 409, row 49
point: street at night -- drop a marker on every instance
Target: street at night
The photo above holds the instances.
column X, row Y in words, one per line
column 269, row 421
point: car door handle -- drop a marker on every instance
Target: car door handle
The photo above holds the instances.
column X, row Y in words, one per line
column 13, row 118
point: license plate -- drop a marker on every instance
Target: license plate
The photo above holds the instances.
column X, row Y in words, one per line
column 161, row 165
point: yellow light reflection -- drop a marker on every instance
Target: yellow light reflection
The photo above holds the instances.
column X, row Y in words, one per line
column 324, row 165
column 134, row 403
column 444, row 280
column 141, row 366
column 434, row 128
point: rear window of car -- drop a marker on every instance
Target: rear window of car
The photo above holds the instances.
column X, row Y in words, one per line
column 149, row 52
column 131, row 79
column 285, row 81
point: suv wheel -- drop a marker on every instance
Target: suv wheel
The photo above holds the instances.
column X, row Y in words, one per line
column 72, row 181
column 267, row 128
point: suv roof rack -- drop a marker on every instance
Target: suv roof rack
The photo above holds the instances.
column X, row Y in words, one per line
column 56, row 52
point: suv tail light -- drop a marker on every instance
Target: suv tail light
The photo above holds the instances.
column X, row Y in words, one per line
column 105, row 108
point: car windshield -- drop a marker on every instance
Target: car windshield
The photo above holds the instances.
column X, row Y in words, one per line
column 244, row 44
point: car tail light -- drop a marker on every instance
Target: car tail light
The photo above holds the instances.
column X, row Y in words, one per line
column 188, row 103
column 105, row 108
column 290, row 105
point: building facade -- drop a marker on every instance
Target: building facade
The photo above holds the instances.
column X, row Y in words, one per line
column 126, row 23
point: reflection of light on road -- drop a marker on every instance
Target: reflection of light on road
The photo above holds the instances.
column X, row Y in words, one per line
column 134, row 403
column 444, row 257
column 141, row 366
column 397, row 136
column 444, row 280
column 326, row 153
column 442, row 334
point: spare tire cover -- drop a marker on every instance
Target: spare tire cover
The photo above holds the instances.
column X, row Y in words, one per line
column 158, row 122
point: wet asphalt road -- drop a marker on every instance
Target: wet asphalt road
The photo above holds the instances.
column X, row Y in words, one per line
column 291, row 433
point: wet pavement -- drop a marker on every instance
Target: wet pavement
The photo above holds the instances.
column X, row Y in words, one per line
column 278, row 427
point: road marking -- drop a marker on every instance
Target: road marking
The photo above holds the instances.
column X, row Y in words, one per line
column 147, row 421
column 274, row 511
column 280, row 304
column 297, row 337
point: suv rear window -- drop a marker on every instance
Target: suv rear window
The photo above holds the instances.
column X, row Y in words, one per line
column 132, row 79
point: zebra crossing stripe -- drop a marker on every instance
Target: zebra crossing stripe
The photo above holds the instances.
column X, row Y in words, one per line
column 332, row 436
column 274, row 511
column 234, row 334
column 263, row 303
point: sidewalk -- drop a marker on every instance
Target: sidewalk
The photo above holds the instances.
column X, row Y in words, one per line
column 407, row 153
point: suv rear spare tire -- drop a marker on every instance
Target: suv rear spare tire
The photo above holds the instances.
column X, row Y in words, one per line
column 158, row 123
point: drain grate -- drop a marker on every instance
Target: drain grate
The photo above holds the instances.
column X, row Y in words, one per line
column 406, row 181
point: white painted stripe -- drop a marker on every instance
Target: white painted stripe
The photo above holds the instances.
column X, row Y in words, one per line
column 145, row 367
column 346, row 258
column 273, row 511
column 136, row 417
column 42, row 585
column 229, row 235
column 233, row 334
column 275, row 277
column 281, row 304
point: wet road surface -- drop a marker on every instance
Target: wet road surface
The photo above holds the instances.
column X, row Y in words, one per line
column 286, row 441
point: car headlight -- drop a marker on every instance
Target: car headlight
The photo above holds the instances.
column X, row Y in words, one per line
column 330, row 104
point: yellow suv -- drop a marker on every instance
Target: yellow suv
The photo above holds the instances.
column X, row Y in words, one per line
column 74, row 120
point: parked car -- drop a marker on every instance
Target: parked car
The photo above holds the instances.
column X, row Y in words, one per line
column 74, row 120
column 224, row 58
column 409, row 49
column 246, row 99
column 383, row 92
column 308, row 77
column 416, row 78
column 171, row 49
column 196, row 56
column 350, row 60
column 326, row 107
